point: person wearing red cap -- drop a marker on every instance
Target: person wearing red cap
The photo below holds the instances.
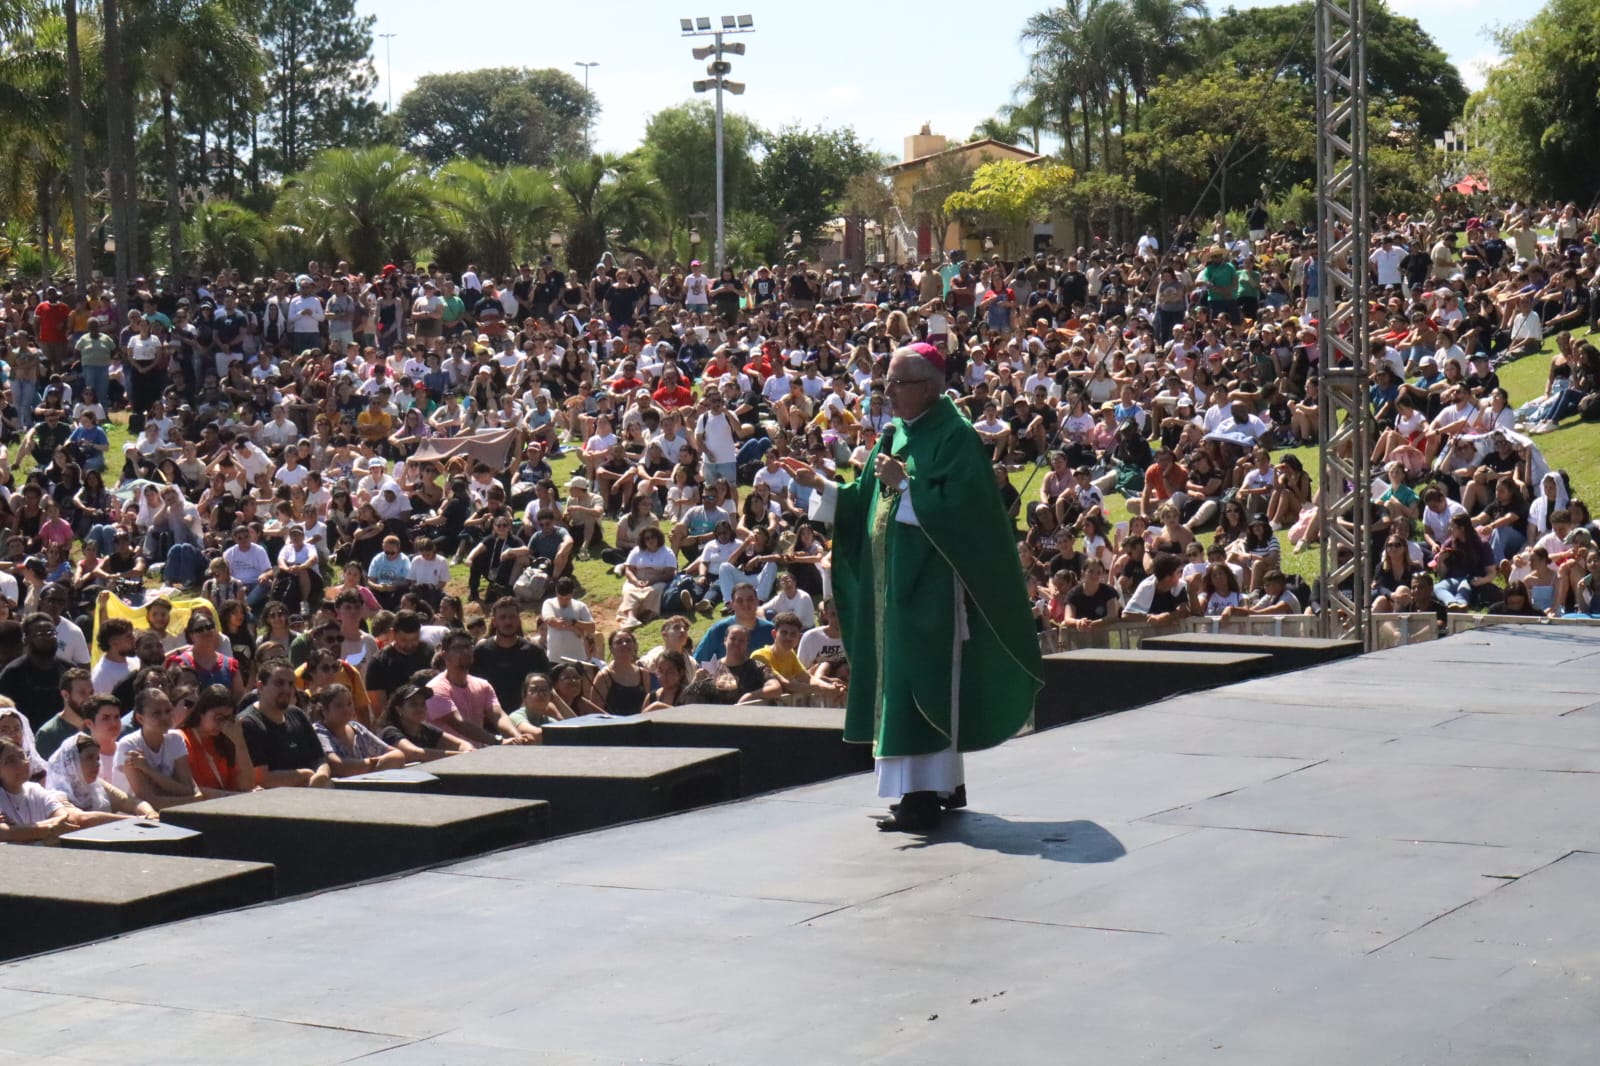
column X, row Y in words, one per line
column 931, row 599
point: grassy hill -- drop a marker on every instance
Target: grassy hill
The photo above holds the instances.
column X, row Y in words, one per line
column 1574, row 448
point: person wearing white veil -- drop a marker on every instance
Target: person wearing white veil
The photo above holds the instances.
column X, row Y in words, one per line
column 75, row 776
column 15, row 728
column 1551, row 497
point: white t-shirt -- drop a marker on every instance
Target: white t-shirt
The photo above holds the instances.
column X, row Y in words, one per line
column 815, row 643
column 565, row 643
column 106, row 674
column 720, row 445
column 164, row 761
column 73, row 648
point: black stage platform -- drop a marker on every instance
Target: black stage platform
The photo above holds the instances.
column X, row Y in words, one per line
column 1383, row 860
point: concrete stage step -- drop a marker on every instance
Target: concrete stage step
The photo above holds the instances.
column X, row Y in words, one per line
column 54, row 897
column 323, row 837
column 1092, row 681
column 1288, row 653
column 595, row 730
column 590, row 787
column 780, row 746
column 137, row 835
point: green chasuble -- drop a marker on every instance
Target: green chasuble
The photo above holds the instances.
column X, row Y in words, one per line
column 896, row 586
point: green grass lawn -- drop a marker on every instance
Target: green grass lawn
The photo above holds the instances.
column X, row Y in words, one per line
column 1574, row 448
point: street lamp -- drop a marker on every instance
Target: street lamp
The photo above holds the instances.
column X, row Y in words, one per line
column 388, row 67
column 588, row 139
column 718, row 68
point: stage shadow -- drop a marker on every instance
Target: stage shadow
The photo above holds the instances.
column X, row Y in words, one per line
column 1077, row 841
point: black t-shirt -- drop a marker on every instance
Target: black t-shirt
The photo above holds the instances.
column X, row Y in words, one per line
column 290, row 746
column 1063, row 561
column 428, row 736
column 507, row 668
column 750, row 674
column 1074, row 289
column 391, row 667
column 35, row 690
column 765, row 290
column 1091, row 607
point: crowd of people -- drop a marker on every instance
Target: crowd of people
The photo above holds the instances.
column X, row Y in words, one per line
column 264, row 570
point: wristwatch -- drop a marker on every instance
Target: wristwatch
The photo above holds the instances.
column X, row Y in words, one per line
column 905, row 483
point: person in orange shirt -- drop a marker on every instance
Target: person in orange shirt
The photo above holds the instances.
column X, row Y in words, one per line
column 324, row 667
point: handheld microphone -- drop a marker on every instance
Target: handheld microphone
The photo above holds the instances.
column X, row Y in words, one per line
column 885, row 445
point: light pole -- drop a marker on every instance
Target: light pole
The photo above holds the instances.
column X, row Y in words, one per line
column 718, row 68
column 588, row 138
column 388, row 67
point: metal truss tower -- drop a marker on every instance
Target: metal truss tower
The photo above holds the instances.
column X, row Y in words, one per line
column 1342, row 311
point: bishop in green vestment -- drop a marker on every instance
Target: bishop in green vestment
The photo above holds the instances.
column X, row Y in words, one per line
column 944, row 658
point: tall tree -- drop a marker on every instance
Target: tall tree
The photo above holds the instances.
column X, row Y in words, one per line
column 178, row 41
column 122, row 185
column 500, row 115
column 680, row 146
column 804, row 174
column 319, row 77
column 501, row 213
column 77, row 156
column 367, row 205
column 1537, row 109
column 607, row 200
column 1403, row 60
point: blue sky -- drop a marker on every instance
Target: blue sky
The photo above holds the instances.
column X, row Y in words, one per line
column 861, row 64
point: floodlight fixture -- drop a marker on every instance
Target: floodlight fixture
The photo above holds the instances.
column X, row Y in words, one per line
column 687, row 25
column 729, row 22
column 702, row 24
column 746, row 22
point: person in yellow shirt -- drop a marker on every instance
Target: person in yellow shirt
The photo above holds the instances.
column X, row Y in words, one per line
column 783, row 659
column 376, row 425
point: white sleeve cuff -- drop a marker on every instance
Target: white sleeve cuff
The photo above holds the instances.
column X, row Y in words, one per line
column 824, row 499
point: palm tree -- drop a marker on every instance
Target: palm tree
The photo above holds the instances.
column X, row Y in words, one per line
column 606, row 195
column 123, row 185
column 32, row 96
column 78, row 166
column 177, row 43
column 498, row 213
column 367, row 205
column 224, row 234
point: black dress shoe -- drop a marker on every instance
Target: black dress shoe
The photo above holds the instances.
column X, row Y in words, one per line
column 953, row 802
column 917, row 812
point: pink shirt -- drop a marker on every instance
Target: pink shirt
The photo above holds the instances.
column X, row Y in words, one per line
column 56, row 531
column 472, row 701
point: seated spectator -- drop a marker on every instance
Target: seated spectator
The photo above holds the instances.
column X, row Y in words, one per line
column 571, row 684
column 219, row 758
column 1274, row 598
column 153, row 760
column 746, row 606
column 29, row 812
column 753, row 680
column 406, row 727
column 622, row 687
column 75, row 775
column 350, row 747
column 1161, row 598
column 567, row 623
column 75, row 696
column 781, row 658
column 673, row 675
column 465, row 706
column 204, row 656
column 649, row 569
column 280, row 738
column 791, row 597
column 539, row 705
column 15, row 728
